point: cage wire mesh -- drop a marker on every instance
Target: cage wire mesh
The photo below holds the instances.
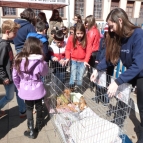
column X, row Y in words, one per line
column 101, row 119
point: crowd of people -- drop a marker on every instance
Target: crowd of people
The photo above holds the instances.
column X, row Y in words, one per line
column 38, row 42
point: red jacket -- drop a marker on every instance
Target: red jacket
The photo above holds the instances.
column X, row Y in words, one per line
column 79, row 53
column 93, row 39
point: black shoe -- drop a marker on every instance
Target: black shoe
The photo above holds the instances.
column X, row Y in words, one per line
column 30, row 133
column 140, row 140
column 39, row 125
column 78, row 89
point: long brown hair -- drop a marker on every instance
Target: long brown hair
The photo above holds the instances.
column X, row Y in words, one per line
column 59, row 19
column 29, row 15
column 91, row 21
column 79, row 19
column 80, row 27
column 113, row 40
column 31, row 46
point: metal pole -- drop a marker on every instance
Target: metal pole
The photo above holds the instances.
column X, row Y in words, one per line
column 69, row 14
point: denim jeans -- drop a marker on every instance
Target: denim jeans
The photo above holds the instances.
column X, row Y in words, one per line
column 20, row 102
column 77, row 71
column 9, row 95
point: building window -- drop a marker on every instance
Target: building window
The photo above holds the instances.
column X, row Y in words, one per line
column 9, row 11
column 130, row 8
column 114, row 4
column 79, row 7
column 98, row 9
column 61, row 12
column 36, row 11
column 141, row 11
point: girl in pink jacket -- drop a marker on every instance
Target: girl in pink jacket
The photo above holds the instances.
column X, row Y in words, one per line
column 28, row 69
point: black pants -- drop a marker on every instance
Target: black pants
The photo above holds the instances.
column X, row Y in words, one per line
column 29, row 108
column 140, row 98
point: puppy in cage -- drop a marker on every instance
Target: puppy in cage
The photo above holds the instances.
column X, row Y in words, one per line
column 82, row 103
column 64, row 99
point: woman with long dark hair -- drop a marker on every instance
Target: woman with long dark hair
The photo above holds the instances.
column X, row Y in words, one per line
column 124, row 41
column 77, row 19
column 55, row 22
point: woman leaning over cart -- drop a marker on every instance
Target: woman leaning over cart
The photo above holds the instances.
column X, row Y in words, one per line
column 124, row 41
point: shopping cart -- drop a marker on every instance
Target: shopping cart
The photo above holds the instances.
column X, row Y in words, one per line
column 97, row 122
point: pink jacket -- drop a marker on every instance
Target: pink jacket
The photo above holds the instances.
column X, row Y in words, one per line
column 29, row 83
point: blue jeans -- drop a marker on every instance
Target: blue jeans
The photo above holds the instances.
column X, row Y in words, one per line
column 9, row 95
column 60, row 76
column 20, row 102
column 77, row 71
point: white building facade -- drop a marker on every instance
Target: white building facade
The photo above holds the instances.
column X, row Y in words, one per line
column 98, row 8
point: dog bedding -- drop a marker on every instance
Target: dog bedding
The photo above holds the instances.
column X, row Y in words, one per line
column 86, row 127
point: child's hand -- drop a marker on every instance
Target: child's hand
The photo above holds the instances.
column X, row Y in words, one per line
column 86, row 64
column 55, row 59
column 94, row 76
column 6, row 82
column 112, row 88
column 65, row 62
column 62, row 62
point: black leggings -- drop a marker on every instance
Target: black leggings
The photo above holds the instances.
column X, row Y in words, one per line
column 29, row 108
column 140, row 98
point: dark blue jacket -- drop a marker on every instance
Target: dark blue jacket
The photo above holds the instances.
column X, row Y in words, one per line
column 26, row 27
column 131, row 55
column 101, row 55
column 45, row 42
column 101, row 52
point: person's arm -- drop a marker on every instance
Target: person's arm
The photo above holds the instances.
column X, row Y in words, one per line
column 16, row 78
column 137, row 63
column 68, row 48
column 46, row 51
column 91, row 37
column 3, row 58
column 43, row 68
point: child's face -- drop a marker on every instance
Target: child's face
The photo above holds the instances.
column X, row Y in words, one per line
column 12, row 34
column 79, row 34
column 71, row 32
column 59, row 43
column 75, row 19
column 64, row 32
column 52, row 35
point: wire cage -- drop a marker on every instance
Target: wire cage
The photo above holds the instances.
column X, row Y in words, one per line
column 87, row 115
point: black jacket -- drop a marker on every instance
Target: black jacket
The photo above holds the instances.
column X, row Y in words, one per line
column 6, row 60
